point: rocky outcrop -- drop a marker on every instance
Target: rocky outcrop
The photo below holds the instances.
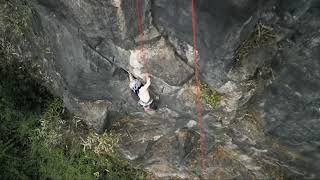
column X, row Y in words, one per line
column 265, row 125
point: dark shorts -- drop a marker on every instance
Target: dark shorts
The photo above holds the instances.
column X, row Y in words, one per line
column 146, row 104
column 152, row 105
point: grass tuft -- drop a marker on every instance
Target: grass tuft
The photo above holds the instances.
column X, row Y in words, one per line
column 209, row 95
column 263, row 35
column 101, row 144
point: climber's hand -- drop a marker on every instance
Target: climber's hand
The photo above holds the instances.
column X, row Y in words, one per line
column 146, row 76
column 130, row 76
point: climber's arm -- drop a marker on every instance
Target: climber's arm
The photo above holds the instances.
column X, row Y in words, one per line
column 130, row 77
column 146, row 86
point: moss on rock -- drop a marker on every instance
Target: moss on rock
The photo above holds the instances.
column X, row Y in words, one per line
column 209, row 95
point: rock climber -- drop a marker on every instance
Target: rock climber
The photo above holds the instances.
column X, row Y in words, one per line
column 142, row 92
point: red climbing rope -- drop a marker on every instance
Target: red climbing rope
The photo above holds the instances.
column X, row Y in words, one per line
column 196, row 59
column 141, row 35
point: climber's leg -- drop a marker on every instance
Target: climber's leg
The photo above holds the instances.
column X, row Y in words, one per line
column 147, row 109
column 153, row 105
column 149, row 106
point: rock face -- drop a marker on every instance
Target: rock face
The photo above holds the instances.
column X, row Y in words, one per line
column 266, row 124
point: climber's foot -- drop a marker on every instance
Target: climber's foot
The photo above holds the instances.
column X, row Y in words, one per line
column 148, row 110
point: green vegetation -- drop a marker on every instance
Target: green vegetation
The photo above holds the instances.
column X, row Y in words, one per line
column 65, row 149
column 54, row 146
column 263, row 35
column 209, row 95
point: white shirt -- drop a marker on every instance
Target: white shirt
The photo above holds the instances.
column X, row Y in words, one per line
column 144, row 93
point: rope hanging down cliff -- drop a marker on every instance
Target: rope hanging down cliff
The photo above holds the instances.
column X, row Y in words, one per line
column 141, row 36
column 196, row 58
column 142, row 92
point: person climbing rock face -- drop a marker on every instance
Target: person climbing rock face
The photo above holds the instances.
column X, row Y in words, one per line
column 141, row 91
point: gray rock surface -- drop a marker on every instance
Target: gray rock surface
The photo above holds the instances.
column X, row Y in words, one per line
column 266, row 124
column 290, row 105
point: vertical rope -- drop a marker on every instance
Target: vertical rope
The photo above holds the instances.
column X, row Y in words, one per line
column 141, row 35
column 196, row 61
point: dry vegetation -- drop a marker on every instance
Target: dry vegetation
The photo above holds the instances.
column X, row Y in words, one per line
column 263, row 35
